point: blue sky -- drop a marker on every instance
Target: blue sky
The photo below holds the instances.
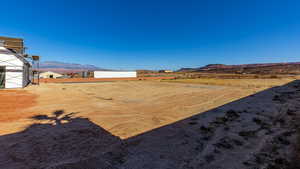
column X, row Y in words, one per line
column 156, row 34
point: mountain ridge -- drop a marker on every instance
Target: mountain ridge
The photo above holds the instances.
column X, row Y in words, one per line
column 256, row 68
column 63, row 67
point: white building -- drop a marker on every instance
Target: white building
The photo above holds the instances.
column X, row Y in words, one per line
column 115, row 74
column 51, row 75
column 15, row 70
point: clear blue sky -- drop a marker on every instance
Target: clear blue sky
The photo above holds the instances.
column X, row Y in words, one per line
column 156, row 34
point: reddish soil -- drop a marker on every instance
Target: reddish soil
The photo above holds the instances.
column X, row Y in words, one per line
column 74, row 80
column 13, row 102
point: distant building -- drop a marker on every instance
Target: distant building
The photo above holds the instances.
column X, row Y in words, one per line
column 15, row 70
column 165, row 71
column 51, row 75
column 115, row 74
column 84, row 74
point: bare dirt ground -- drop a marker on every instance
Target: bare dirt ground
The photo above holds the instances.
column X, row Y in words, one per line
column 90, row 80
column 149, row 124
column 123, row 108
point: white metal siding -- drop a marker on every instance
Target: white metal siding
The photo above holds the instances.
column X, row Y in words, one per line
column 11, row 61
column 14, row 80
column 114, row 74
column 16, row 75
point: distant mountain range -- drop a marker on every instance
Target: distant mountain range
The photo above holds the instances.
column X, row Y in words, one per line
column 61, row 67
column 264, row 68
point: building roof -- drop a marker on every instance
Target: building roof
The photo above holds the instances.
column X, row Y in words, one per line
column 49, row 72
column 4, row 50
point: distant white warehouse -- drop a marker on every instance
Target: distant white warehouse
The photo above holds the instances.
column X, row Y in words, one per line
column 115, row 74
column 14, row 69
column 51, row 75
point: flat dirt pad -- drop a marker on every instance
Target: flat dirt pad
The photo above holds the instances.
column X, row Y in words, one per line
column 134, row 125
column 13, row 102
column 125, row 109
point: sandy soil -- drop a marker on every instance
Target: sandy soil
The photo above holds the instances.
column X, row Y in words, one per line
column 133, row 125
column 13, row 102
column 123, row 108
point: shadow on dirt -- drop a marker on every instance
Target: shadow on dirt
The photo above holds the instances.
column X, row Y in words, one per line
column 254, row 132
column 60, row 141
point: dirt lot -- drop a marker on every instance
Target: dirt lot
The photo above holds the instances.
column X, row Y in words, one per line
column 151, row 124
column 123, row 108
column 90, row 80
